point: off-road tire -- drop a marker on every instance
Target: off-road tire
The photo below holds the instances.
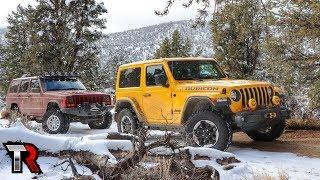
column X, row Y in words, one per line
column 225, row 132
column 64, row 122
column 272, row 135
column 105, row 124
column 129, row 113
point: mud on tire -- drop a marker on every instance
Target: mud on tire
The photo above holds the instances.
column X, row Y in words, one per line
column 104, row 123
column 207, row 129
column 55, row 122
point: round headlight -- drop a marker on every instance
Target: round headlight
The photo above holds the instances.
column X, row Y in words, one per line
column 270, row 91
column 235, row 95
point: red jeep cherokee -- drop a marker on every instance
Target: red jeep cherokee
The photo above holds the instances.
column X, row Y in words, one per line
column 58, row 100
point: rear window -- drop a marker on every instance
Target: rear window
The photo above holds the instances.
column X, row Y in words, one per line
column 14, row 86
column 24, row 86
column 130, row 78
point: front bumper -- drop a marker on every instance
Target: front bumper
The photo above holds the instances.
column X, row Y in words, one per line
column 89, row 111
column 254, row 120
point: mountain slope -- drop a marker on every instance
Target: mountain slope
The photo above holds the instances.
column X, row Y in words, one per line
column 140, row 44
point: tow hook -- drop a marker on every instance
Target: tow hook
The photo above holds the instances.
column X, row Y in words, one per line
column 94, row 108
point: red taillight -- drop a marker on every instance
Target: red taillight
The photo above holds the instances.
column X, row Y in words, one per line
column 70, row 102
column 107, row 100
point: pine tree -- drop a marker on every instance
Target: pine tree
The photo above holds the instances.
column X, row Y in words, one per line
column 59, row 37
column 294, row 51
column 164, row 50
column 109, row 71
column 237, row 31
column 14, row 53
column 174, row 47
column 176, row 44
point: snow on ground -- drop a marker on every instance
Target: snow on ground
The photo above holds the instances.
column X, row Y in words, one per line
column 252, row 161
column 296, row 167
column 96, row 143
column 47, row 166
column 241, row 169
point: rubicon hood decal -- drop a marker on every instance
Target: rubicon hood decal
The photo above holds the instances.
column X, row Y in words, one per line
column 200, row 88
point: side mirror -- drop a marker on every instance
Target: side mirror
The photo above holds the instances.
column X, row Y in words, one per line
column 161, row 79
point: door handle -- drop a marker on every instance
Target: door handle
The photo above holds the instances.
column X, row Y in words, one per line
column 147, row 95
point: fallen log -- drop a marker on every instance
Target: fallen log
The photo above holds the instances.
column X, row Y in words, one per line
column 180, row 163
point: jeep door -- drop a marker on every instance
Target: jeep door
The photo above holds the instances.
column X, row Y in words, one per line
column 35, row 100
column 157, row 100
column 23, row 96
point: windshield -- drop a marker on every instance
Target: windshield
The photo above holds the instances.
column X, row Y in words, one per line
column 62, row 84
column 196, row 70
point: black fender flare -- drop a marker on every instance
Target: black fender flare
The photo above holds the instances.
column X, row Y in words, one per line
column 133, row 104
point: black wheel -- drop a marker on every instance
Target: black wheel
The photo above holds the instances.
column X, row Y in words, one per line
column 268, row 134
column 127, row 122
column 104, row 123
column 207, row 129
column 54, row 122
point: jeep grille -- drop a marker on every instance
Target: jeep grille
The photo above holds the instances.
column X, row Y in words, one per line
column 260, row 94
column 89, row 99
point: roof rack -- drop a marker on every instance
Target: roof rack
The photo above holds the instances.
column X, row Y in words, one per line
column 57, row 77
column 60, row 75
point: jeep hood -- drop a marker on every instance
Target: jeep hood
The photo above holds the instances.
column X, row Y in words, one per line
column 73, row 92
column 210, row 85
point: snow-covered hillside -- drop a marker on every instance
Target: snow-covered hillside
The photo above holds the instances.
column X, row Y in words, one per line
column 141, row 43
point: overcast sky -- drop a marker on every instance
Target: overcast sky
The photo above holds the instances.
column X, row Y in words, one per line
column 122, row 14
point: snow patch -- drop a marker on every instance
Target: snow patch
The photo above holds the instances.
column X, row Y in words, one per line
column 97, row 144
column 68, row 2
column 294, row 166
column 47, row 166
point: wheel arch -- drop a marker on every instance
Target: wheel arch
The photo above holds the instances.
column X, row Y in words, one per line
column 14, row 105
column 52, row 105
column 195, row 104
column 131, row 104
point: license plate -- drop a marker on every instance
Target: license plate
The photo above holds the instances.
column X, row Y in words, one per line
column 271, row 115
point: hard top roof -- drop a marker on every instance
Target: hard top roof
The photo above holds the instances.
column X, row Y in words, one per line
column 152, row 61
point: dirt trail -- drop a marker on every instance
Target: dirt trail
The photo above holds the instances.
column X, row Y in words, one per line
column 301, row 142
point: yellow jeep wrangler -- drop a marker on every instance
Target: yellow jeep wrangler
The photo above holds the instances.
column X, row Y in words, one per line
column 196, row 95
